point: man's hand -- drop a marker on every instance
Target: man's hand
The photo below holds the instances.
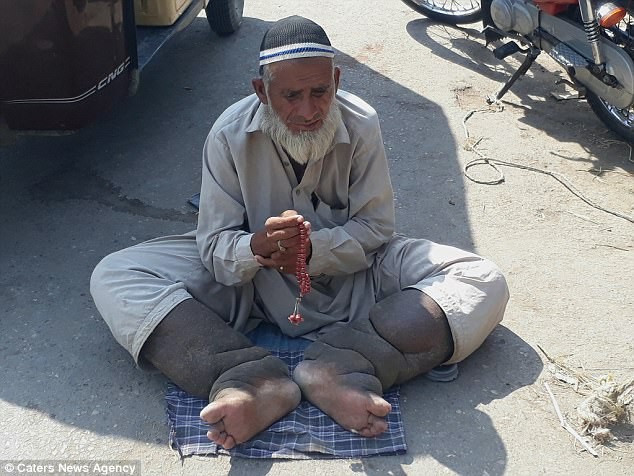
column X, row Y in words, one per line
column 278, row 244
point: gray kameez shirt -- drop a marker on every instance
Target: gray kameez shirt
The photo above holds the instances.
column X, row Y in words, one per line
column 247, row 178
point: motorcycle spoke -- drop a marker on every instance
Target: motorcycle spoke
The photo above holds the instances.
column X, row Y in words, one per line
column 619, row 120
column 623, row 116
column 623, row 34
column 450, row 7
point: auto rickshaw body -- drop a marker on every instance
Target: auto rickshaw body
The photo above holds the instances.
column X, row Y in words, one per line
column 64, row 63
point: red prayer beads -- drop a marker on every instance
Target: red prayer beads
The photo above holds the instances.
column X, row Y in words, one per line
column 296, row 318
column 303, row 279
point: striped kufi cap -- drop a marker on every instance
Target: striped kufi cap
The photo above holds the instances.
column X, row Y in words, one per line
column 294, row 37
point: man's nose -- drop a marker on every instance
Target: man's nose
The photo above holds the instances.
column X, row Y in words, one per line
column 308, row 109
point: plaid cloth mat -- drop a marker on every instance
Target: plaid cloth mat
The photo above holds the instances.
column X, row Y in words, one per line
column 305, row 433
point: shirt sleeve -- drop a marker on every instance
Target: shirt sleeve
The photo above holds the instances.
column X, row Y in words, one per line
column 351, row 247
column 222, row 236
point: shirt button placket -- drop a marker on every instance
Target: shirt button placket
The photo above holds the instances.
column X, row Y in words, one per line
column 298, row 199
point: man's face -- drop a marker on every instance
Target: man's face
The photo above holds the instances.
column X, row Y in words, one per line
column 301, row 92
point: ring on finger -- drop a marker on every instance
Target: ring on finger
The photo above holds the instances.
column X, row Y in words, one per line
column 280, row 247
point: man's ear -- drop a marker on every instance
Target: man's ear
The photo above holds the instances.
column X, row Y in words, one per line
column 260, row 90
column 337, row 73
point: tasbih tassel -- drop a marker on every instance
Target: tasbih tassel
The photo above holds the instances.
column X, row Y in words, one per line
column 303, row 280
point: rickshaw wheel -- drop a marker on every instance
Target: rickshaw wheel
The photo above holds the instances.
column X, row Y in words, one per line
column 224, row 16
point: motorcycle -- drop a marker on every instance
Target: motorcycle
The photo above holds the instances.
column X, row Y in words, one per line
column 593, row 40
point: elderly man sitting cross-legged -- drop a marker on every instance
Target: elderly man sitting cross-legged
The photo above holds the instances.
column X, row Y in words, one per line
column 295, row 178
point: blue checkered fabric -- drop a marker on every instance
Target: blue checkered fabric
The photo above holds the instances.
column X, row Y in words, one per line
column 305, row 433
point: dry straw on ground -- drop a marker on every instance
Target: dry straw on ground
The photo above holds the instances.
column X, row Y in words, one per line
column 607, row 403
column 606, row 406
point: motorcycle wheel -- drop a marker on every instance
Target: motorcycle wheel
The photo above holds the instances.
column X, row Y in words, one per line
column 454, row 12
column 620, row 121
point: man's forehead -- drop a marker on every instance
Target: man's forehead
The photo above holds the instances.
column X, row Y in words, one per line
column 302, row 70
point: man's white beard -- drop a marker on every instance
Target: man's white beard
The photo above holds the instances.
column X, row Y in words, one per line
column 304, row 146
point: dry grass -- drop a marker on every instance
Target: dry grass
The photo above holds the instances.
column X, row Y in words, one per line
column 607, row 402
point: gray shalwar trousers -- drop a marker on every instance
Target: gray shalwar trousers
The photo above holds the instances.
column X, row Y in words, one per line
column 136, row 287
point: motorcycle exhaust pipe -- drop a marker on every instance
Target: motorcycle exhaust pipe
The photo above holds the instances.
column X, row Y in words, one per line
column 595, row 62
column 581, row 69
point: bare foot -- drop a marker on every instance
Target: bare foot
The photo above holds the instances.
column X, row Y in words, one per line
column 239, row 413
column 349, row 399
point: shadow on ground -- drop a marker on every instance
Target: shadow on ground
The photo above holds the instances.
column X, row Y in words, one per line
column 446, row 420
column 566, row 121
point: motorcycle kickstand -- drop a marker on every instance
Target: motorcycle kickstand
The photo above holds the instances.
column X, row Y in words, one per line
column 531, row 56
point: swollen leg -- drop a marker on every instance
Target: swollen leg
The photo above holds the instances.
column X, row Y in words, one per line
column 193, row 347
column 345, row 371
column 407, row 335
column 248, row 389
column 417, row 327
column 342, row 384
column 247, row 399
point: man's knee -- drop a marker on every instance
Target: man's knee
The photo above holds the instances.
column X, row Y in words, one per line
column 413, row 322
column 102, row 277
column 496, row 289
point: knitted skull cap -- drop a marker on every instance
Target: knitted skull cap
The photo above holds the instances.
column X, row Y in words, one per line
column 294, row 37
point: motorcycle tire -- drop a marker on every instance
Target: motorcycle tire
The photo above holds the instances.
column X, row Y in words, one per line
column 224, row 16
column 453, row 12
column 620, row 121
